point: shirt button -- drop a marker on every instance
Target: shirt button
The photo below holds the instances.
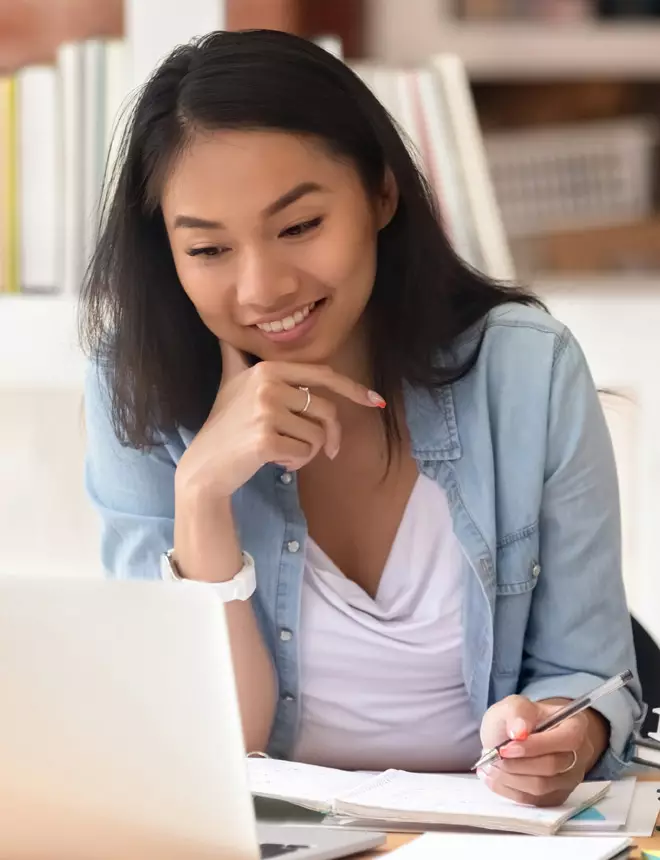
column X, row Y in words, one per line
column 286, row 635
column 536, row 570
column 286, row 477
column 293, row 546
column 287, row 697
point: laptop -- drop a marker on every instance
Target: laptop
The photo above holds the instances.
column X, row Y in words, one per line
column 120, row 734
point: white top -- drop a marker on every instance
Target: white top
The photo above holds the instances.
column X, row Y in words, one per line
column 381, row 679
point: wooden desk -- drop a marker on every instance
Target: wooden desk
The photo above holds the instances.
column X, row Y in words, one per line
column 396, row 840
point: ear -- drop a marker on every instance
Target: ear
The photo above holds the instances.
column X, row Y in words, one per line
column 387, row 200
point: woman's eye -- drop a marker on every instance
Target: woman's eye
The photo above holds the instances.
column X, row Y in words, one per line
column 211, row 251
column 303, row 227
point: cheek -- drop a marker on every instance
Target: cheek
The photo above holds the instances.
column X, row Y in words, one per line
column 204, row 285
column 346, row 262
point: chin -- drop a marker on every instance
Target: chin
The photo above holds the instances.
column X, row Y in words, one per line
column 310, row 353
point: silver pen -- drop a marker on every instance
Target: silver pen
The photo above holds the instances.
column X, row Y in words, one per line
column 570, row 710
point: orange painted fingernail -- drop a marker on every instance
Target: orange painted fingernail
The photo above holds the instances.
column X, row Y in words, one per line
column 376, row 399
column 512, row 751
column 519, row 730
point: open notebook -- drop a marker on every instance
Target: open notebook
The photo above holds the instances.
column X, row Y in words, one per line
column 422, row 798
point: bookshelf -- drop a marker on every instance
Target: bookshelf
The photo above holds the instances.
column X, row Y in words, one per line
column 522, row 51
column 38, row 333
column 513, row 51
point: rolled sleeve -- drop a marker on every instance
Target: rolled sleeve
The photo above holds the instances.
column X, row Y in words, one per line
column 621, row 710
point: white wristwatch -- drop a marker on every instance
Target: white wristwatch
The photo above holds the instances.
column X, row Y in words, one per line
column 241, row 587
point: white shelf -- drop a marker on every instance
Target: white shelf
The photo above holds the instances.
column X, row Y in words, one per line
column 39, row 343
column 502, row 51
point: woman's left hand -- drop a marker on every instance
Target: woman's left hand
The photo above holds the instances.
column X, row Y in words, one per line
column 538, row 769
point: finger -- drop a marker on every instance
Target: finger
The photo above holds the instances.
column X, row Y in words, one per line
column 533, row 785
column 545, row 798
column 321, row 411
column 545, row 765
column 234, row 361
column 318, row 376
column 284, row 450
column 513, row 717
column 564, row 738
column 303, row 430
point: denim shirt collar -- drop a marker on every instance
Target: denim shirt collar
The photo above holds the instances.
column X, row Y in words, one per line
column 431, row 420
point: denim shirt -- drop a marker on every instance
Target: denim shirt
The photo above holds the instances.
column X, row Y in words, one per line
column 521, row 448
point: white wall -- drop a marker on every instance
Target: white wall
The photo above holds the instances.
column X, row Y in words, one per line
column 46, row 524
column 618, row 327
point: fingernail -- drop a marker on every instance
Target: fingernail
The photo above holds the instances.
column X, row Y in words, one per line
column 512, row 751
column 376, row 399
column 481, row 773
column 518, row 730
column 333, row 453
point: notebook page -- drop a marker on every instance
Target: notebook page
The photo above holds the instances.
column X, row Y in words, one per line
column 466, row 847
column 610, row 813
column 459, row 800
column 304, row 784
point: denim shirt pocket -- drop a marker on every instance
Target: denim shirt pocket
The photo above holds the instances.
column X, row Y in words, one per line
column 517, row 572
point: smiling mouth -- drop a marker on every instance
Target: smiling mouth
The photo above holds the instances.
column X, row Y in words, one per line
column 290, row 322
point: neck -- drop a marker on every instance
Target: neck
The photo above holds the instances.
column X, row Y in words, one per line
column 353, row 359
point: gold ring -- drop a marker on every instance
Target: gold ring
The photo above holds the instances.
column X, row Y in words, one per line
column 571, row 765
column 308, row 401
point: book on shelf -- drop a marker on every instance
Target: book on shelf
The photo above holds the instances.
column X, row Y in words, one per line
column 39, row 191
column 434, row 110
column 422, row 799
column 9, row 249
column 646, row 752
column 55, row 141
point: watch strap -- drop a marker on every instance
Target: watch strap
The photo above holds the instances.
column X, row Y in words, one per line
column 240, row 587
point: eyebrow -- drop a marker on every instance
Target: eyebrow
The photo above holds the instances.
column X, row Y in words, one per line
column 191, row 222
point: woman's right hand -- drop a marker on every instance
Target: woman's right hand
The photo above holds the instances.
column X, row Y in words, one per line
column 256, row 420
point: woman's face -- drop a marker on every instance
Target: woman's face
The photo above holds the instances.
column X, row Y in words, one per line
column 274, row 242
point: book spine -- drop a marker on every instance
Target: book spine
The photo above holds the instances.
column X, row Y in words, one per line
column 9, row 252
column 646, row 753
column 70, row 63
column 116, row 109
column 38, row 130
column 93, row 139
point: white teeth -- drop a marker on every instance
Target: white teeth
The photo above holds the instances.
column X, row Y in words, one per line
column 289, row 322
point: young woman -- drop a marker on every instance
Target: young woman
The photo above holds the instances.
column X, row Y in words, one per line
column 294, row 371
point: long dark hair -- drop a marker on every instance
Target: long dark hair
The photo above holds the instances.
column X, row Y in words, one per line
column 163, row 365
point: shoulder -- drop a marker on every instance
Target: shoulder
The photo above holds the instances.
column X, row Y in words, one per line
column 513, row 320
column 516, row 333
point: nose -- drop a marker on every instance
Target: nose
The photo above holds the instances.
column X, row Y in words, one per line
column 265, row 283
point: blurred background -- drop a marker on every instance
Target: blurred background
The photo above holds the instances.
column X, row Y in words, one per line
column 535, row 120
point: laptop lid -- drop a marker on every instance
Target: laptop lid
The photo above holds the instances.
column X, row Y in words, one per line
column 120, row 733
